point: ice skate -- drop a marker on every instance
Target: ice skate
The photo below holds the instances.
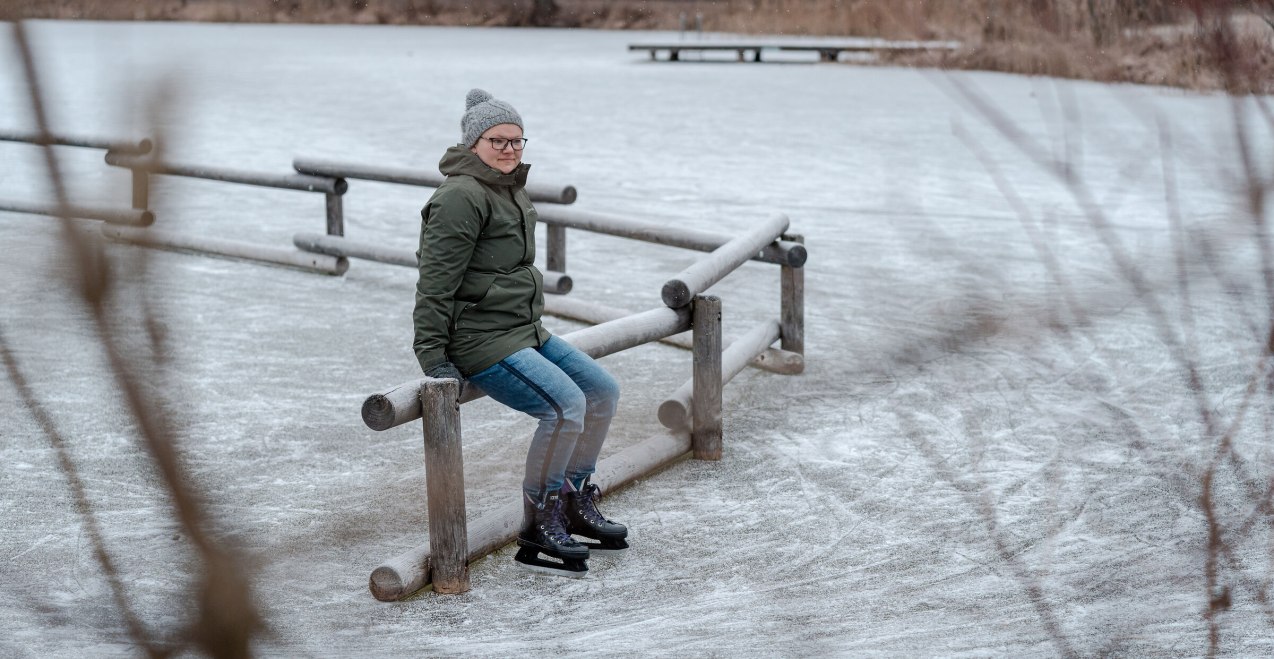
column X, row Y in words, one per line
column 544, row 545
column 585, row 520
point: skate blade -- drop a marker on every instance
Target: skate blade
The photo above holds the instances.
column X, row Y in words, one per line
column 614, row 550
column 554, row 572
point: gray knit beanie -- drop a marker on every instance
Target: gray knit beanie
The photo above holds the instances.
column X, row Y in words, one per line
column 481, row 112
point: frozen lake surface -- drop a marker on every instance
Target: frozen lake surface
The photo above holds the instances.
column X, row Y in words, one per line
column 994, row 450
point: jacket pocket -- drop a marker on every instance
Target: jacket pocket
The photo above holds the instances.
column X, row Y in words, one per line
column 473, row 290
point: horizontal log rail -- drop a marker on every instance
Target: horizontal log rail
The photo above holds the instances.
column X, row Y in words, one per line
column 235, row 249
column 410, row 571
column 774, row 360
column 675, row 412
column 782, row 253
column 705, row 272
column 401, row 404
column 557, row 283
column 303, row 182
column 122, row 216
column 550, row 193
column 140, row 146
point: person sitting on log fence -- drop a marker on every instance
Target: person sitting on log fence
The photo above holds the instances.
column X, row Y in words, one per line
column 477, row 316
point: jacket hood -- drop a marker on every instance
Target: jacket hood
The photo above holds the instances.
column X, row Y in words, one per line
column 459, row 160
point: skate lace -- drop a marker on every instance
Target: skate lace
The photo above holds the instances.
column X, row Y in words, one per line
column 588, row 505
column 554, row 526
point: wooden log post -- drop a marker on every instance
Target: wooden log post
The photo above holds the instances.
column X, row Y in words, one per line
column 444, row 478
column 555, row 250
column 705, row 436
column 141, row 188
column 411, row 570
column 335, row 214
column 792, row 304
column 681, row 289
column 675, row 412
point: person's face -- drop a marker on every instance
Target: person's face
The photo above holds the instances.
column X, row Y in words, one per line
column 505, row 160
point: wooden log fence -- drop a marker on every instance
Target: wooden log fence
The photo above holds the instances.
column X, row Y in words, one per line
column 783, row 252
column 549, row 193
column 401, row 404
column 122, row 216
column 675, row 412
column 692, row 414
column 138, row 217
column 412, row 570
column 139, row 146
column 774, row 360
column 558, row 283
column 452, row 543
column 234, row 249
column 722, row 261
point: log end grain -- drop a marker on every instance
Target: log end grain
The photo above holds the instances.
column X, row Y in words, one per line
column 558, row 283
column 674, row 415
column 797, row 256
column 378, row 412
column 569, row 194
column 676, row 294
column 386, row 584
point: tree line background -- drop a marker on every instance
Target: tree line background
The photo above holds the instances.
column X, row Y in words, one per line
column 1165, row 42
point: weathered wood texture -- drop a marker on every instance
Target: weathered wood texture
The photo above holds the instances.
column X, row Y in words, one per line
column 410, row 571
column 782, row 252
column 141, row 189
column 444, row 480
column 304, row 182
column 555, row 250
column 792, row 305
column 557, row 283
column 773, row 360
column 705, row 434
column 675, row 412
column 140, row 146
column 705, row 272
column 342, row 246
column 397, row 406
column 551, row 193
column 121, row 216
column 335, row 215
column 234, row 249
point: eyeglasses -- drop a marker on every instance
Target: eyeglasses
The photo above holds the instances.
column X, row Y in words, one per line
column 498, row 143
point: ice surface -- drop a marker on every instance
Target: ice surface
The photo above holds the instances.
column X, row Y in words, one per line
column 994, row 448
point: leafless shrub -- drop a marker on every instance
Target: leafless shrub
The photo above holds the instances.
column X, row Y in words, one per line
column 1224, row 575
column 225, row 617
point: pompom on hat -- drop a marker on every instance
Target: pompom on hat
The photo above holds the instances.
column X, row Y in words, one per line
column 481, row 112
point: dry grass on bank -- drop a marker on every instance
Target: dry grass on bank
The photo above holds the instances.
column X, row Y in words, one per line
column 1166, row 42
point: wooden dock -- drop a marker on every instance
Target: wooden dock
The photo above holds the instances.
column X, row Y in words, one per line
column 751, row 52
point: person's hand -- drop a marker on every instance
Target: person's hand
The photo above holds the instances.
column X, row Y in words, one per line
column 447, row 370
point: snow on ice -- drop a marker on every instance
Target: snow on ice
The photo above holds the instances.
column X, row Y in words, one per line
column 994, row 450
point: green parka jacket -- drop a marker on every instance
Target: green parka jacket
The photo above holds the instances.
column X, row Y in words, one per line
column 480, row 296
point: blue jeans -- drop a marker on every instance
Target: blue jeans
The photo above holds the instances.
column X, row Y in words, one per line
column 573, row 398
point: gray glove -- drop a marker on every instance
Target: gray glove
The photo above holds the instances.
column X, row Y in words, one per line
column 447, row 370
